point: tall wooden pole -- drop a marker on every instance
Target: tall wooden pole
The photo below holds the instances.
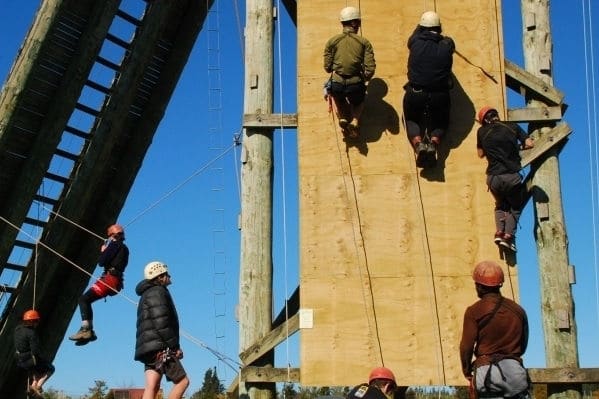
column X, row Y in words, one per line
column 557, row 306
column 255, row 280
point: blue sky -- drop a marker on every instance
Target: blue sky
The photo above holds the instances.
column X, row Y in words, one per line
column 193, row 226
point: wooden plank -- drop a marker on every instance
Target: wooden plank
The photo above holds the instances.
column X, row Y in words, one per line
column 270, row 121
column 565, row 375
column 527, row 114
column 521, row 81
column 272, row 339
column 385, row 265
column 269, row 374
column 544, row 142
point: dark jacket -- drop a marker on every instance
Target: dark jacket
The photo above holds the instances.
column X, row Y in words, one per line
column 365, row 391
column 488, row 336
column 157, row 321
column 114, row 258
column 27, row 345
column 430, row 60
column 500, row 144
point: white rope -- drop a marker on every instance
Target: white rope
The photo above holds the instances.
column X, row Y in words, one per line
column 283, row 188
column 185, row 334
column 591, row 95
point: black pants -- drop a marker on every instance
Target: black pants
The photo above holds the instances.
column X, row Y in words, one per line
column 426, row 112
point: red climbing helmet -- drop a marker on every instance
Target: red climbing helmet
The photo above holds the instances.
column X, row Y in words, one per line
column 381, row 373
column 488, row 273
column 31, row 315
column 115, row 229
column 483, row 112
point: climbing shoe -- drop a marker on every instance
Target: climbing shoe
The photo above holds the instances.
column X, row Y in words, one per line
column 353, row 130
column 84, row 334
column 508, row 241
column 421, row 154
column 343, row 123
column 498, row 237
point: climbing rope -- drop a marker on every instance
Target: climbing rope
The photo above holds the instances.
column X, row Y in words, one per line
column 592, row 130
column 367, row 293
column 226, row 359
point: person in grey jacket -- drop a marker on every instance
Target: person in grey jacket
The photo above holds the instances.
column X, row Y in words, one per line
column 157, row 337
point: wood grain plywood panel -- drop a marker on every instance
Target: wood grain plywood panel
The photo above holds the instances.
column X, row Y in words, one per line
column 386, row 249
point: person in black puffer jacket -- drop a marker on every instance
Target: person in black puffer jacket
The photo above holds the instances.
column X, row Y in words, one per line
column 157, row 337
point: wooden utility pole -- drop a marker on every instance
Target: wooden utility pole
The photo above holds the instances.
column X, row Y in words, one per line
column 255, row 280
column 555, row 271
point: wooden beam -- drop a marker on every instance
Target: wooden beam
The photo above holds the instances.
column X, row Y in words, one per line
column 272, row 339
column 564, row 375
column 233, row 391
column 523, row 81
column 269, row 374
column 272, row 121
column 291, row 307
column 527, row 114
column 544, row 142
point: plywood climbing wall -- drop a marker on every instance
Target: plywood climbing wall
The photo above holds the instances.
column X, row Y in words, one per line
column 387, row 249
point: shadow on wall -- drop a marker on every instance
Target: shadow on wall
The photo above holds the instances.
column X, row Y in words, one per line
column 461, row 122
column 379, row 116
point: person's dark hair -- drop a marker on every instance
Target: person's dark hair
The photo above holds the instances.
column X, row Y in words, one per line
column 483, row 289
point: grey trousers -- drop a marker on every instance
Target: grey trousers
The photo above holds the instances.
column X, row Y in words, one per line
column 504, row 379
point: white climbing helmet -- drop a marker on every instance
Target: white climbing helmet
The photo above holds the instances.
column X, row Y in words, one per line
column 430, row 19
column 349, row 14
column 154, row 269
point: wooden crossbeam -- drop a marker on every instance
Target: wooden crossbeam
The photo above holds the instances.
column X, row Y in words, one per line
column 564, row 375
column 286, row 121
column 272, row 339
column 524, row 82
column 529, row 114
column 269, row 374
column 545, row 142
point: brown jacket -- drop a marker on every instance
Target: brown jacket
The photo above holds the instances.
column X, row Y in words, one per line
column 488, row 336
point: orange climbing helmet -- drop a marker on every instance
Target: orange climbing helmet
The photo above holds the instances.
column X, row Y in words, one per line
column 381, row 373
column 115, row 229
column 482, row 113
column 488, row 273
column 31, row 315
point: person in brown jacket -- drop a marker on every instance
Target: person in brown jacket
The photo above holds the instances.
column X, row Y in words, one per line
column 495, row 333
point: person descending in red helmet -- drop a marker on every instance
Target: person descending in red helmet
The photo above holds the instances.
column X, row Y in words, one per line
column 381, row 385
column 29, row 353
column 495, row 334
column 114, row 256
column 500, row 143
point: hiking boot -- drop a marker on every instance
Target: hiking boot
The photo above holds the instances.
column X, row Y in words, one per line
column 508, row 241
column 421, row 153
column 353, row 130
column 84, row 334
column 498, row 237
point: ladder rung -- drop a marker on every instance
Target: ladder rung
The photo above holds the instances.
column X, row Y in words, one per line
column 77, row 132
column 55, row 177
column 13, row 266
column 86, row 109
column 117, row 41
column 107, row 63
column 66, row 154
column 35, row 222
column 129, row 18
column 46, row 200
column 24, row 244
